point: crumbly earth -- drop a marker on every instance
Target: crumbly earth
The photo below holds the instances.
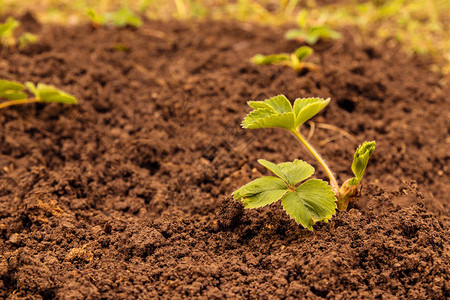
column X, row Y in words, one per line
column 126, row 195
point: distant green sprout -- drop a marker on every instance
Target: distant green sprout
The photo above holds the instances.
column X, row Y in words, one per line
column 120, row 18
column 14, row 92
column 27, row 39
column 313, row 200
column 121, row 48
column 313, row 34
column 294, row 60
column 7, row 38
column 96, row 19
column 7, row 32
column 310, row 34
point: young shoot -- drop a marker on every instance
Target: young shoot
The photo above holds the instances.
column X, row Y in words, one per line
column 7, row 32
column 120, row 18
column 295, row 60
column 14, row 94
column 310, row 34
column 8, row 39
column 26, row 39
column 313, row 203
column 97, row 19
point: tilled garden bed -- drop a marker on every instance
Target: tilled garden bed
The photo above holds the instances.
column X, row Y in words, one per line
column 126, row 195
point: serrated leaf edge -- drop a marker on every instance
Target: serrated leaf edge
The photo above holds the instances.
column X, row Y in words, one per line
column 325, row 219
column 271, row 116
column 309, row 105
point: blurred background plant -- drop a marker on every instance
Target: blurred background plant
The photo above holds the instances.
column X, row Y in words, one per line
column 420, row 26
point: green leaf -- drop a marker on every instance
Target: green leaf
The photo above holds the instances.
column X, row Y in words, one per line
column 124, row 17
column 360, row 160
column 260, row 59
column 280, row 103
column 312, row 201
column 275, row 112
column 27, row 38
column 11, row 90
column 32, row 88
column 7, row 28
column 95, row 17
column 257, row 115
column 261, row 192
column 303, row 52
column 311, row 38
column 285, row 120
column 324, row 32
column 48, row 93
column 291, row 172
column 296, row 171
column 294, row 34
column 260, row 105
column 301, row 18
column 306, row 108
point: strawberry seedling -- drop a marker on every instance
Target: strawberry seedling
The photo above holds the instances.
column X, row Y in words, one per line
column 7, row 38
column 97, row 19
column 312, row 34
column 26, row 39
column 314, row 200
column 294, row 60
column 7, row 32
column 121, row 18
column 14, row 93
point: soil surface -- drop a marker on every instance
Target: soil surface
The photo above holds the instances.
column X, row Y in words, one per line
column 126, row 195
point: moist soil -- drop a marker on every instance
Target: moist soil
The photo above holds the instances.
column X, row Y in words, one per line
column 127, row 195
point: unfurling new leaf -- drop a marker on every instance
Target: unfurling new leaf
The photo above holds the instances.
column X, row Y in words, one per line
column 307, row 203
column 360, row 160
column 349, row 189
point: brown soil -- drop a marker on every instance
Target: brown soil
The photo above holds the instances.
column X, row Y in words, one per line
column 126, row 195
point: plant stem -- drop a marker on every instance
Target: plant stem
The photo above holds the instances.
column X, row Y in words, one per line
column 333, row 181
column 18, row 102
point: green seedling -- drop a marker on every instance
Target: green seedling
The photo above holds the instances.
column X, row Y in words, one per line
column 14, row 93
column 312, row 34
column 121, row 48
column 27, row 39
column 314, row 200
column 294, row 60
column 97, row 19
column 7, row 32
column 7, row 38
column 121, row 18
column 125, row 17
